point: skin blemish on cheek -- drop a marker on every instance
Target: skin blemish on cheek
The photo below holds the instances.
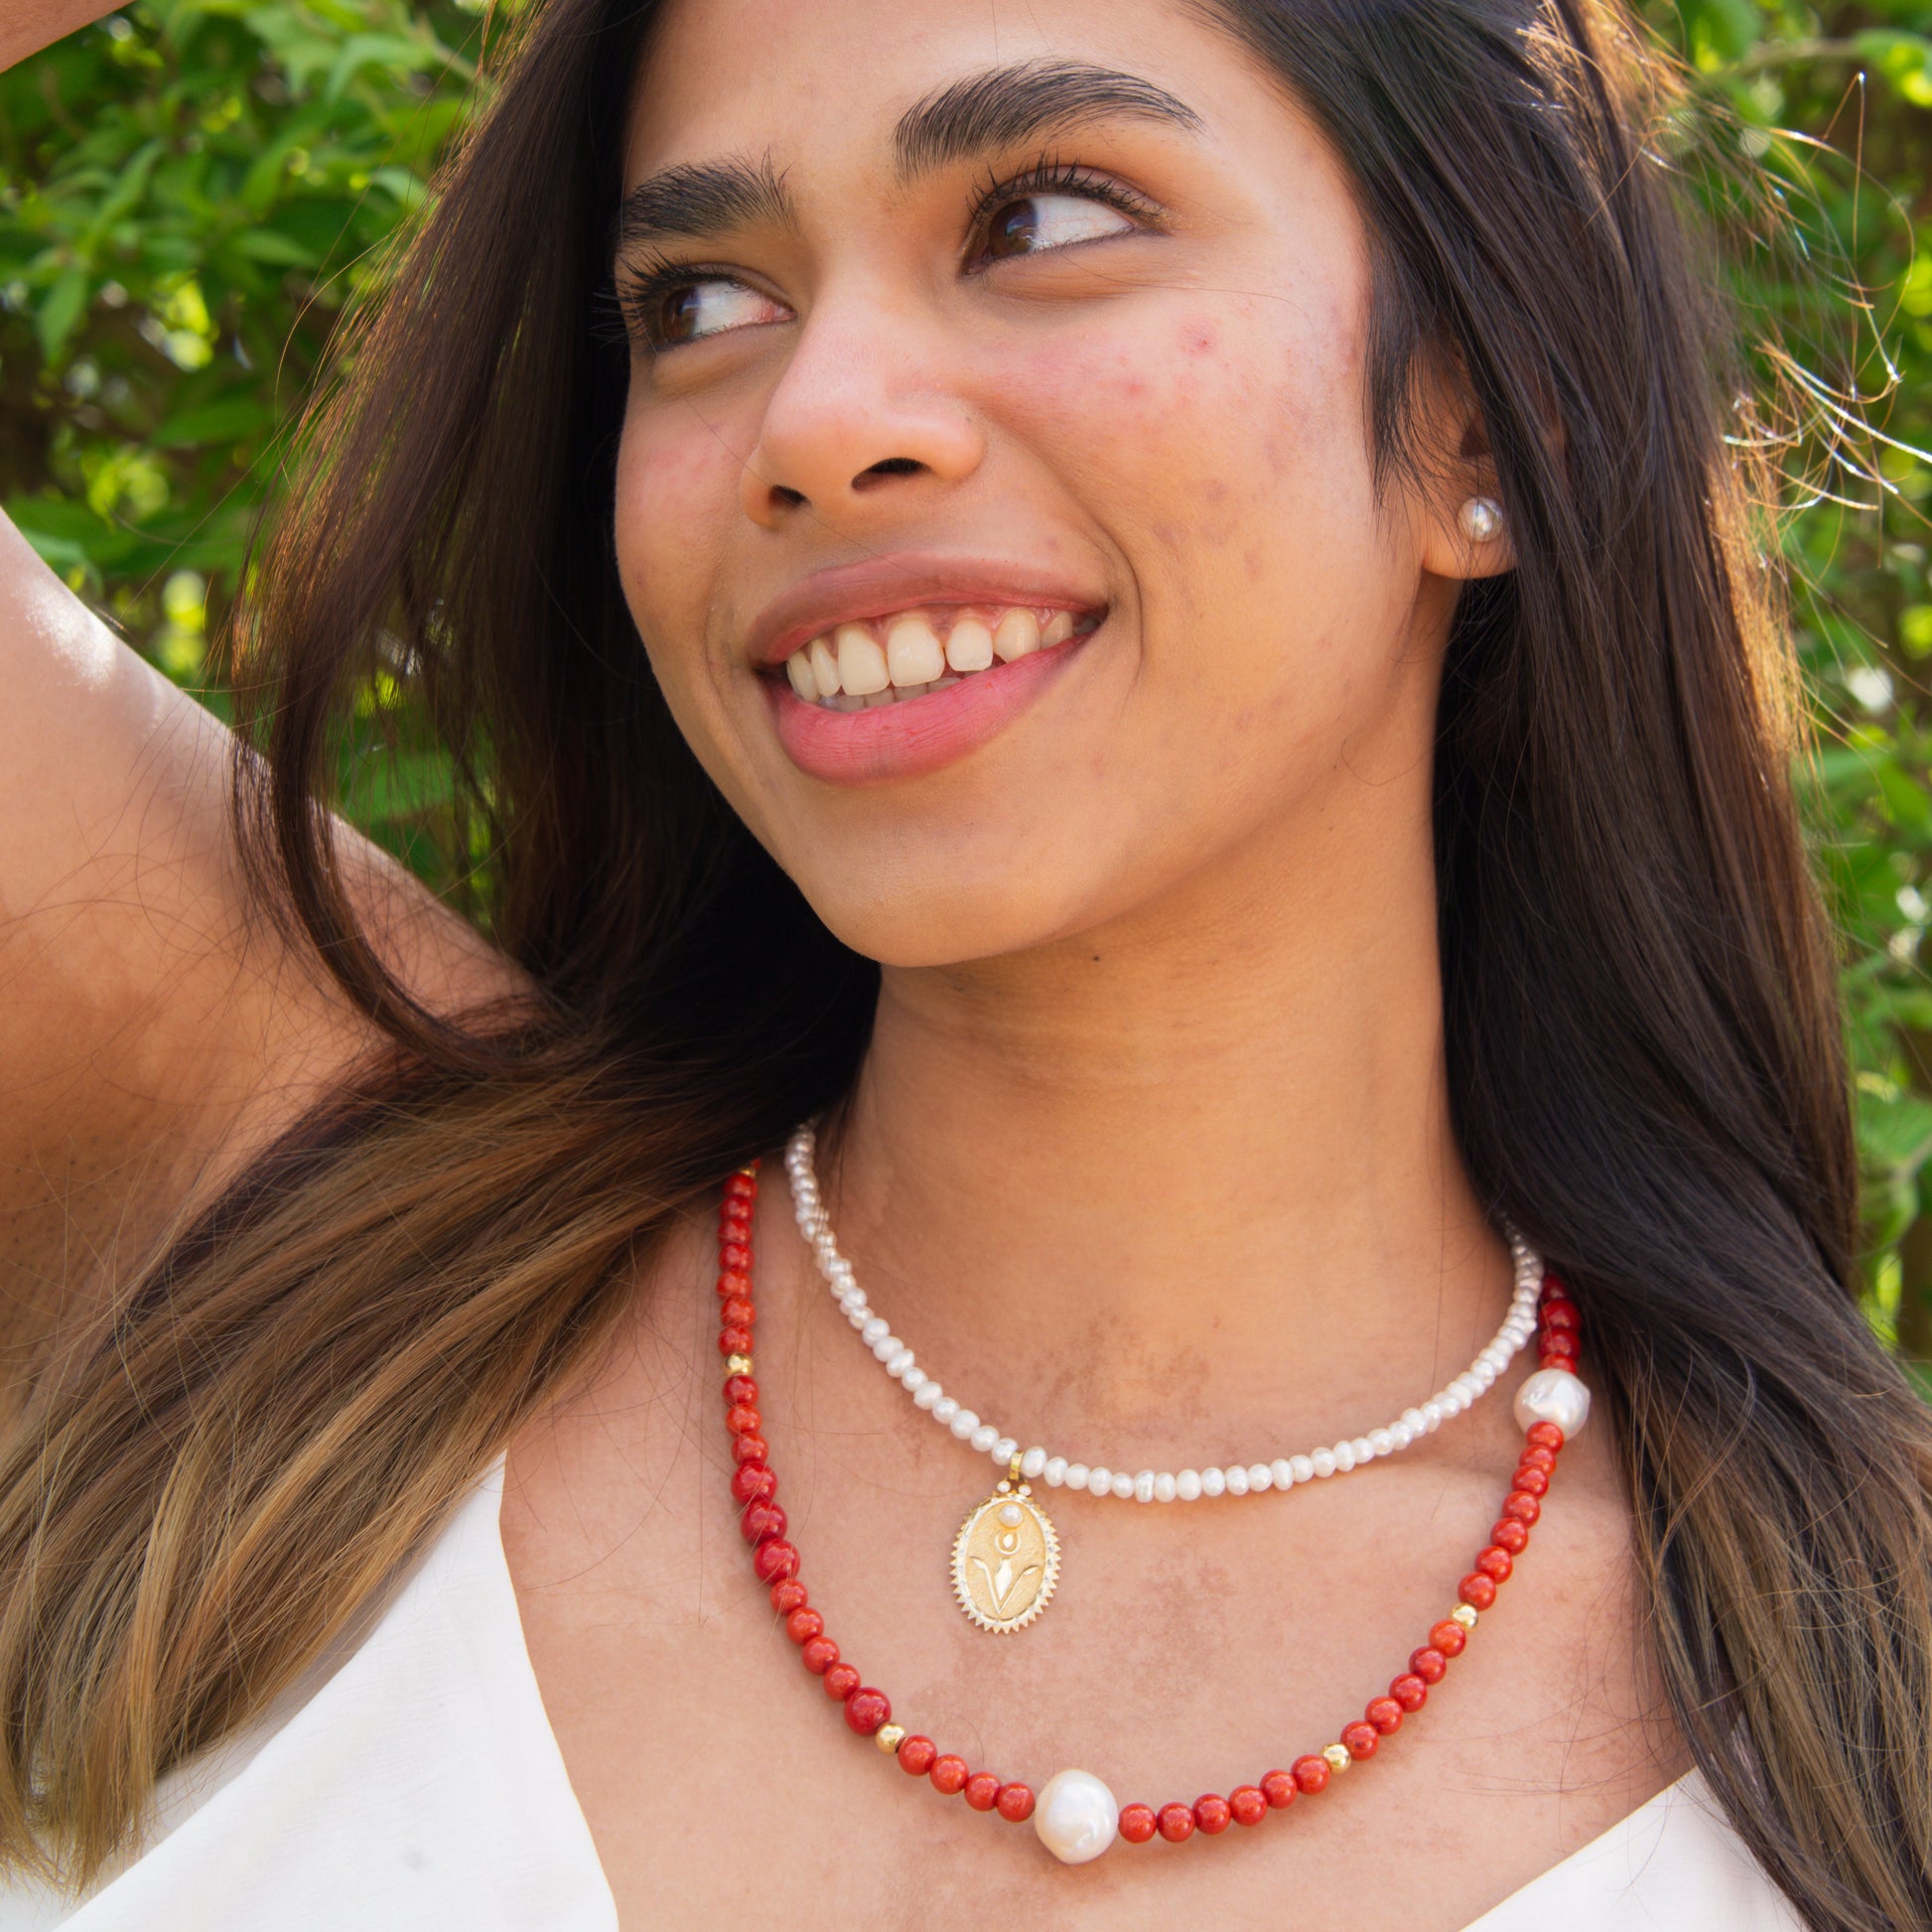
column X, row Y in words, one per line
column 1199, row 338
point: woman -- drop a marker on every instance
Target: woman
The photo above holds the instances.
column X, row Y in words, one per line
column 1140, row 610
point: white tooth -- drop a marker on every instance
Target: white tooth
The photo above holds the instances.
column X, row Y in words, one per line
column 970, row 647
column 825, row 668
column 1059, row 628
column 912, row 653
column 1018, row 633
column 861, row 664
column 799, row 668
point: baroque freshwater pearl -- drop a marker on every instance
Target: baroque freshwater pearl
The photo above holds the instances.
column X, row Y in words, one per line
column 1076, row 1817
column 1553, row 1395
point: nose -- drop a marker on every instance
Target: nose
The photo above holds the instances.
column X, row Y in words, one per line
column 862, row 412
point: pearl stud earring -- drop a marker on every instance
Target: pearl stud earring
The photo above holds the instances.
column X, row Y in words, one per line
column 1481, row 517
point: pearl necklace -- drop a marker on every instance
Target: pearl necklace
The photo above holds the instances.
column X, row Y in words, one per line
column 1021, row 1544
column 1074, row 1814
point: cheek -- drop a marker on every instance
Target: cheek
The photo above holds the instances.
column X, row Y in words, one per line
column 676, row 498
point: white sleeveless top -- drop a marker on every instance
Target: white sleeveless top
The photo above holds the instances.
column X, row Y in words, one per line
column 415, row 1785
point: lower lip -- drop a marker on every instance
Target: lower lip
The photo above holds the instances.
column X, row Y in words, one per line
column 914, row 736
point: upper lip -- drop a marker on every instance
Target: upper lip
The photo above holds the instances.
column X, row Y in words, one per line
column 878, row 585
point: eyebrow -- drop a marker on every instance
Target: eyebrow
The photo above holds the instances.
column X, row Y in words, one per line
column 700, row 199
column 1004, row 107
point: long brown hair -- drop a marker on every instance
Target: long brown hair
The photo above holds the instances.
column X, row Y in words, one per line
column 1643, row 1030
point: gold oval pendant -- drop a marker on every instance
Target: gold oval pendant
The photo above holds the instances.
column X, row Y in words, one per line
column 1006, row 1560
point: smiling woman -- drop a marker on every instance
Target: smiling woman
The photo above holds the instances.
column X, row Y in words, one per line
column 1130, row 628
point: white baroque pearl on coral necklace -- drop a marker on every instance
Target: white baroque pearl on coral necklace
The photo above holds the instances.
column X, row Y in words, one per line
column 1076, row 1817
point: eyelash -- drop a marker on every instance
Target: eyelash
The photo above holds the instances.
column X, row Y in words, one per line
column 644, row 281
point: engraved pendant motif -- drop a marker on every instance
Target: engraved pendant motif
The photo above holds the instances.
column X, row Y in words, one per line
column 1006, row 1558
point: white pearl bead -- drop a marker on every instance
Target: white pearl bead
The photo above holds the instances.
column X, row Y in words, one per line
column 1261, row 1478
column 945, row 1410
column 928, row 1395
column 1345, row 1455
column 1186, row 1485
column 1165, row 1487
column 963, row 1423
column 1076, row 1817
column 1553, row 1395
column 1034, row 1462
column 1381, row 1441
column 1283, row 1470
column 887, row 1346
column 1213, row 1482
column 915, row 1378
column 1236, row 1480
column 1005, row 1449
column 874, row 1328
column 983, row 1438
column 1100, row 1482
column 1303, row 1468
column 1054, row 1470
column 1322, row 1461
column 1143, row 1487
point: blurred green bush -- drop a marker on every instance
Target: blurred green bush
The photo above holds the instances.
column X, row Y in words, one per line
column 193, row 190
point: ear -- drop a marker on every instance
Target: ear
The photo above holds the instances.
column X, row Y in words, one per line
column 1462, row 526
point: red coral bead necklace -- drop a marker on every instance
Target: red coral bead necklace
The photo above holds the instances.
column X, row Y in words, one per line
column 1074, row 1814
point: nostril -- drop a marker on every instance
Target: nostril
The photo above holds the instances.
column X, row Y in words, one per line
column 891, row 465
column 784, row 493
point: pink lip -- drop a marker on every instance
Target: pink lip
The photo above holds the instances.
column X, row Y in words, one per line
column 876, row 588
column 914, row 736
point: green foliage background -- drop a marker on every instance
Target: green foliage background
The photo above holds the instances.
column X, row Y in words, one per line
column 193, row 190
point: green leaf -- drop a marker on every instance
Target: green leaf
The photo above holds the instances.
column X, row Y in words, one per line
column 1906, row 60
column 230, row 420
column 60, row 310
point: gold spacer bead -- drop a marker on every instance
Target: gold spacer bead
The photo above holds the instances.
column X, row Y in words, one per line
column 889, row 1737
column 1465, row 1615
column 1337, row 1756
column 737, row 1365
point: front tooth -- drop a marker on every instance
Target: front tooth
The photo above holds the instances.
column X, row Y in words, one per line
column 970, row 647
column 861, row 664
column 799, row 668
column 1018, row 633
column 912, row 653
column 825, row 668
column 1059, row 628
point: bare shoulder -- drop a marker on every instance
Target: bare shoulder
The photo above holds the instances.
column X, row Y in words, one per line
column 154, row 1027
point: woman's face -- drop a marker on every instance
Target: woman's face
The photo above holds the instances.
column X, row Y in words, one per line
column 994, row 498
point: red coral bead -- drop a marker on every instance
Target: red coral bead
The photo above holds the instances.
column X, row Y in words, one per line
column 1176, row 1823
column 820, row 1654
column 747, row 1448
column 741, row 1388
column 753, row 1482
column 1015, row 1803
column 761, row 1521
column 1449, row 1637
column 1360, row 1739
column 1428, row 1663
column 1476, row 1590
column 1277, row 1787
column 734, row 1257
column 840, row 1681
column 1539, row 1458
column 733, row 1281
column 1410, row 1692
column 1560, row 1343
column 915, row 1756
column 1247, row 1805
column 742, row 1419
column 948, row 1774
column 802, row 1625
column 739, row 1313
column 1559, row 1312
column 787, row 1595
column 1544, row 1435
column 735, row 1341
column 866, row 1709
column 1510, row 1535
column 1385, row 1713
column 773, row 1560
column 1138, row 1822
column 1311, row 1773
column 1520, row 1504
column 1556, row 1361
column 1211, row 1814
column 982, row 1790
column 1495, row 1563
column 1531, row 1480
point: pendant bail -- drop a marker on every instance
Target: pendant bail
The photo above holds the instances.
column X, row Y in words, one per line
column 1013, row 1469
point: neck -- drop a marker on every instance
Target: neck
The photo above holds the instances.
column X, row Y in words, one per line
column 1196, row 1160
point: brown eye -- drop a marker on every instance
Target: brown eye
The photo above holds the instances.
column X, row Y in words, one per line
column 709, row 305
column 1037, row 222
